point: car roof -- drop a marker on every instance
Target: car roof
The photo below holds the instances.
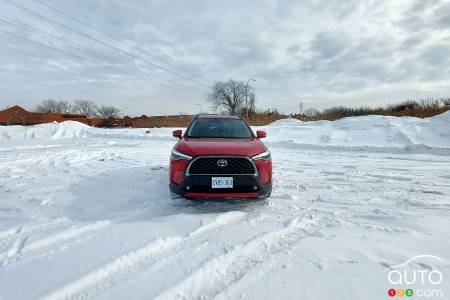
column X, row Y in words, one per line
column 217, row 117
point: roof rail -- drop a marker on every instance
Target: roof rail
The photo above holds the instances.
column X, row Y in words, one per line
column 205, row 114
column 217, row 115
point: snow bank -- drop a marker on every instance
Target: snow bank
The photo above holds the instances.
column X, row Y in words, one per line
column 55, row 130
column 73, row 130
column 442, row 117
column 286, row 122
column 378, row 132
column 366, row 131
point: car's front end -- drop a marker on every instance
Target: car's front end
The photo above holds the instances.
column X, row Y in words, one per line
column 221, row 168
column 221, row 176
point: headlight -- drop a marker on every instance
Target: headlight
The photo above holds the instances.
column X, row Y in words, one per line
column 175, row 155
column 264, row 156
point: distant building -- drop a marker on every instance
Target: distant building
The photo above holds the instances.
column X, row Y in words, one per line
column 16, row 115
column 154, row 121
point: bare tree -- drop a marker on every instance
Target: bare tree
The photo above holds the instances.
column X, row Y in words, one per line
column 53, row 106
column 63, row 107
column 430, row 103
column 47, row 106
column 85, row 107
column 106, row 112
column 445, row 101
column 250, row 106
column 311, row 112
column 230, row 96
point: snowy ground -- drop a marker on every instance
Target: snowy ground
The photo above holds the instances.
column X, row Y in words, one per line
column 86, row 213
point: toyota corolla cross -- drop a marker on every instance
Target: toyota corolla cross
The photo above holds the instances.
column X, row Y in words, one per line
column 220, row 156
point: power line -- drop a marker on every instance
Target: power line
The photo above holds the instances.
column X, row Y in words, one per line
column 42, row 44
column 96, row 28
column 66, row 52
column 17, row 23
column 76, row 56
column 100, row 42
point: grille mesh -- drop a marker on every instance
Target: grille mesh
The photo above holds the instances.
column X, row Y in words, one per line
column 235, row 189
column 208, row 165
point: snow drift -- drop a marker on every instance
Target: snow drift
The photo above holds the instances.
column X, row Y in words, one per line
column 354, row 133
column 366, row 131
column 76, row 130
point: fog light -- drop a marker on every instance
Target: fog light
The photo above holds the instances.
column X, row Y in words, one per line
column 188, row 188
column 255, row 187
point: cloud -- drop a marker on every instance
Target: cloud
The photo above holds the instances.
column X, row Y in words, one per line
column 319, row 52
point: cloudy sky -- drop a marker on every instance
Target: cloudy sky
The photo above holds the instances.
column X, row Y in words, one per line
column 161, row 57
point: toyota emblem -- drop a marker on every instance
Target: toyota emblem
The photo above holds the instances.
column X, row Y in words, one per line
column 222, row 163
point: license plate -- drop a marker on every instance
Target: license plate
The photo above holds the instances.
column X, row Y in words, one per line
column 222, row 182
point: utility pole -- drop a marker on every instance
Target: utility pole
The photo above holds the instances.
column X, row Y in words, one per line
column 123, row 111
column 201, row 108
column 246, row 97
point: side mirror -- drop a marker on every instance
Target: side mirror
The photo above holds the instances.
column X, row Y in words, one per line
column 177, row 133
column 260, row 134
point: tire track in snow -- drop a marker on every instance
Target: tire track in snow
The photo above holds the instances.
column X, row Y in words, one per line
column 216, row 274
column 239, row 287
column 13, row 251
column 126, row 265
column 66, row 235
column 94, row 282
column 45, row 245
column 31, row 229
column 61, row 239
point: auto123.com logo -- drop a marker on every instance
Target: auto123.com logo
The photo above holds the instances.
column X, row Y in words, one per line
column 420, row 276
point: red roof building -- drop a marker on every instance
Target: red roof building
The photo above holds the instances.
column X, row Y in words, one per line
column 16, row 115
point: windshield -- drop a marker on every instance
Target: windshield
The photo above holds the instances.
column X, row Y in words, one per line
column 219, row 128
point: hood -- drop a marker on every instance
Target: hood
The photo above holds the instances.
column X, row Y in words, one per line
column 210, row 146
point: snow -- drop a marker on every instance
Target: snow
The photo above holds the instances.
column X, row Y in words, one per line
column 86, row 213
column 286, row 122
column 76, row 130
column 375, row 132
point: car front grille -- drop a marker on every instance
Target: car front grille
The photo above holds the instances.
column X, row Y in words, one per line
column 235, row 189
column 221, row 166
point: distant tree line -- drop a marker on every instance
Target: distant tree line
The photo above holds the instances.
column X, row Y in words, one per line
column 422, row 108
column 236, row 97
column 83, row 107
column 414, row 108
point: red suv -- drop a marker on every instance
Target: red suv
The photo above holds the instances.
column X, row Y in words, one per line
column 220, row 156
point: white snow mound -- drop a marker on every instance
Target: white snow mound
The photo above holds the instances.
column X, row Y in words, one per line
column 380, row 132
column 286, row 122
column 365, row 131
column 73, row 129
column 443, row 117
column 67, row 129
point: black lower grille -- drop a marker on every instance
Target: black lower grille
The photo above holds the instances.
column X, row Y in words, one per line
column 221, row 165
column 235, row 189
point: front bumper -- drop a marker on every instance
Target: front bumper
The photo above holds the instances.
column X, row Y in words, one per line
column 199, row 186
